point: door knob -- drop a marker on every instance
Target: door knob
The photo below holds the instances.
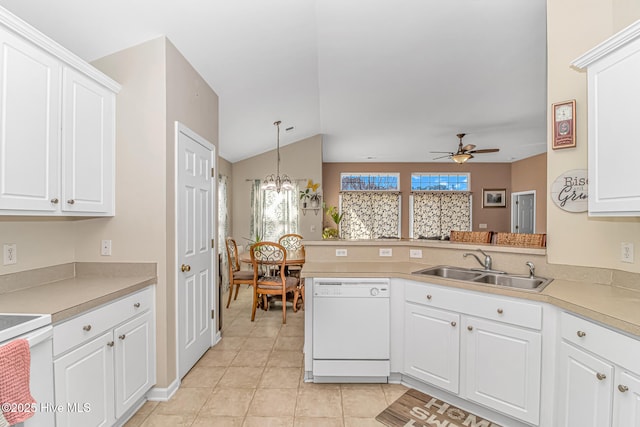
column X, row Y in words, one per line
column 185, row 267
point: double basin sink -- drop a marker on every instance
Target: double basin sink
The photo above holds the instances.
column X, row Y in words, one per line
column 490, row 277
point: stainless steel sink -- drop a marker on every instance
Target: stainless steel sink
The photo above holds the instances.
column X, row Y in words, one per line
column 535, row 283
column 450, row 273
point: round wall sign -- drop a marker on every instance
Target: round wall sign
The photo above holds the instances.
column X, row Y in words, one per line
column 570, row 191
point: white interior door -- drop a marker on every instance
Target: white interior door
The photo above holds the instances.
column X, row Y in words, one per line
column 523, row 215
column 195, row 266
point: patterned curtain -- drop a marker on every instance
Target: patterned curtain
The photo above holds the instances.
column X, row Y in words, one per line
column 370, row 215
column 273, row 214
column 223, row 227
column 435, row 214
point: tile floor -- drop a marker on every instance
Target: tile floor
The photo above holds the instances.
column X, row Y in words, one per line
column 254, row 377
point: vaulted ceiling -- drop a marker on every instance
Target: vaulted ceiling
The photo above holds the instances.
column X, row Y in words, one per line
column 381, row 80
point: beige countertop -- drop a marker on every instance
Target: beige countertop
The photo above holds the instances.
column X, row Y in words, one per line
column 614, row 306
column 76, row 287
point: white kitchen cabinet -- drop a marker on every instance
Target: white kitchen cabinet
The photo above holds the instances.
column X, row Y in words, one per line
column 30, row 88
column 503, row 367
column 88, row 141
column 106, row 359
column 57, row 128
column 439, row 364
column 598, row 381
column 84, row 376
column 613, row 90
column 484, row 348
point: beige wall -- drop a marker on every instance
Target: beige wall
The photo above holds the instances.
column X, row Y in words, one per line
column 301, row 161
column 573, row 28
column 531, row 174
column 483, row 175
column 225, row 168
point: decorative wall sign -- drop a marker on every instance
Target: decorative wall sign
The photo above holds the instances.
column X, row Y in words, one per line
column 564, row 124
column 570, row 190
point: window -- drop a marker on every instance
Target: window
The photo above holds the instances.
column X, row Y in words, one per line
column 439, row 203
column 440, row 182
column 369, row 181
column 273, row 214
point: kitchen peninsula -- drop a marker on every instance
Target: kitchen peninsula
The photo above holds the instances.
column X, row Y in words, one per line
column 506, row 353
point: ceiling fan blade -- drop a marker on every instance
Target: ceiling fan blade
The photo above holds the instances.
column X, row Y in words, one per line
column 442, row 157
column 485, row 150
column 443, row 152
column 468, row 147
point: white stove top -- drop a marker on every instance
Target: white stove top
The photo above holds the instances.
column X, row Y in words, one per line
column 14, row 325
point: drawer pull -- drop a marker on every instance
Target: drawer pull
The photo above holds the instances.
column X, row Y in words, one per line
column 71, row 201
column 86, row 328
column 54, row 201
column 110, row 343
column 500, row 311
column 600, row 376
column 136, row 305
column 581, row 334
column 123, row 336
column 453, row 324
column 470, row 328
column 429, row 297
column 623, row 388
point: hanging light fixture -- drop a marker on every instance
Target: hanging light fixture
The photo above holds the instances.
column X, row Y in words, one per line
column 461, row 157
column 277, row 182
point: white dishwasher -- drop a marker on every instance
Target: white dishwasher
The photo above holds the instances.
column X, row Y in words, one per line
column 350, row 330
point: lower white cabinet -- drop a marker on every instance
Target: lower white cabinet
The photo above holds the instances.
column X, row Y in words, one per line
column 599, row 381
column 104, row 361
column 486, row 349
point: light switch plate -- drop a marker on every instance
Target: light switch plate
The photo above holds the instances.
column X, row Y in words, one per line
column 385, row 252
column 105, row 248
column 415, row 253
column 482, row 225
column 341, row 252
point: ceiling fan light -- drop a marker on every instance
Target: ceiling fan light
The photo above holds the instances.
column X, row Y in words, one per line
column 461, row 158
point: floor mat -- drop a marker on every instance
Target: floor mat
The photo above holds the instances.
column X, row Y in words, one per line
column 416, row 409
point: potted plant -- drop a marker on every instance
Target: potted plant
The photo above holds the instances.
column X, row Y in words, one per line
column 336, row 216
column 309, row 193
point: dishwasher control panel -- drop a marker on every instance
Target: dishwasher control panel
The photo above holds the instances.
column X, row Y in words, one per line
column 377, row 289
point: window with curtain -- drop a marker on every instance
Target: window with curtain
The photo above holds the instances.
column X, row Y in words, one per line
column 223, row 227
column 435, row 214
column 370, row 214
column 273, row 214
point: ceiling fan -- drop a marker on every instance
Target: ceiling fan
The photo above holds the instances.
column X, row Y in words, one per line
column 464, row 153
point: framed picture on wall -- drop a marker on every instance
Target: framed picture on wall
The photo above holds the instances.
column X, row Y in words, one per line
column 494, row 198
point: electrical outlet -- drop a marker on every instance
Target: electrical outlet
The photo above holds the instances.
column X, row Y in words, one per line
column 385, row 252
column 10, row 251
column 482, row 225
column 313, row 228
column 105, row 248
column 415, row 253
column 626, row 254
column 341, row 252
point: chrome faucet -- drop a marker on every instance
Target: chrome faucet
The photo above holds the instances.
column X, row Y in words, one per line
column 532, row 268
column 487, row 259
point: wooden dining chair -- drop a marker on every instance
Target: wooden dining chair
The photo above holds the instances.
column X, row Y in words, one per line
column 237, row 277
column 295, row 249
column 272, row 254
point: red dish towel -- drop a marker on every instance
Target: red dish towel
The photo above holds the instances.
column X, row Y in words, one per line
column 15, row 364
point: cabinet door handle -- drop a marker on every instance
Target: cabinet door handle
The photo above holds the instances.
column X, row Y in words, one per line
column 86, row 328
column 123, row 336
column 185, row 267
column 500, row 311
column 136, row 305
column 54, row 201
column 600, row 376
column 623, row 388
column 581, row 334
column 429, row 297
column 470, row 328
column 453, row 324
column 110, row 343
column 71, row 201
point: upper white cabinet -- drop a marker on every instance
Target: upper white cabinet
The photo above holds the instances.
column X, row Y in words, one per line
column 613, row 89
column 57, row 128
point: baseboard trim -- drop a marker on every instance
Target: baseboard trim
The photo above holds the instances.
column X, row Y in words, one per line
column 163, row 394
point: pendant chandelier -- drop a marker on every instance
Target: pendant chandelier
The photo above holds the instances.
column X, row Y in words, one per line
column 277, row 182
